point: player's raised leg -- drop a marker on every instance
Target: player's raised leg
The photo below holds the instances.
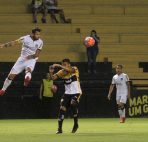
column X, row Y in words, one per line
column 16, row 69
column 27, row 76
column 29, row 67
column 7, row 83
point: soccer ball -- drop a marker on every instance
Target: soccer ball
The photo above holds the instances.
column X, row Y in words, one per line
column 89, row 41
column 54, row 89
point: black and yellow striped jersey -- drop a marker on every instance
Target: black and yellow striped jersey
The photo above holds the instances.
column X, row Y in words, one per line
column 71, row 81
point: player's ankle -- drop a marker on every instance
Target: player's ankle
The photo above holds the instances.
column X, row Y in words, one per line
column 59, row 131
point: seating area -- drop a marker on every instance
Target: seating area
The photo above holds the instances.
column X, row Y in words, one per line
column 122, row 27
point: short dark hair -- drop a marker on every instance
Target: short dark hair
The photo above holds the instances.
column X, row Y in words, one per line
column 93, row 31
column 36, row 30
column 119, row 65
column 66, row 60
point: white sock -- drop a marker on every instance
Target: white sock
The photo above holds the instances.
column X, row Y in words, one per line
column 120, row 112
column 28, row 74
column 123, row 113
column 7, row 83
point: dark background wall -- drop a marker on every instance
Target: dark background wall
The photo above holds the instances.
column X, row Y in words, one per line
column 21, row 102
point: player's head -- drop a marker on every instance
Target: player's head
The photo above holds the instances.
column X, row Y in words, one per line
column 66, row 62
column 47, row 76
column 93, row 32
column 119, row 68
column 36, row 33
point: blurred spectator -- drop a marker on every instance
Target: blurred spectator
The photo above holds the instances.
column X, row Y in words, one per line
column 51, row 7
column 45, row 89
column 92, row 53
column 37, row 6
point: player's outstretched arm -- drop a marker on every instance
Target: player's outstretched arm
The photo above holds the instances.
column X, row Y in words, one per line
column 110, row 91
column 68, row 69
column 9, row 44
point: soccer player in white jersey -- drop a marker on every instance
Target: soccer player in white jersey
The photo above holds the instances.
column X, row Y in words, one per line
column 31, row 48
column 121, row 80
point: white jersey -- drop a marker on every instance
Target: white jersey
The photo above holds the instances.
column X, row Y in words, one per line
column 121, row 84
column 29, row 46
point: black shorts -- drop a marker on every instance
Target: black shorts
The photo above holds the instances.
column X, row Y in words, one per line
column 68, row 98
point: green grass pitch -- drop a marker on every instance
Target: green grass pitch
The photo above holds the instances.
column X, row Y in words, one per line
column 91, row 130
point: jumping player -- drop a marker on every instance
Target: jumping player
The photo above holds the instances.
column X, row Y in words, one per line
column 31, row 48
column 121, row 80
column 70, row 75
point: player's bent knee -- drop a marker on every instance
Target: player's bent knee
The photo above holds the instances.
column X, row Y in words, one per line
column 63, row 108
column 73, row 103
column 28, row 70
column 11, row 76
column 121, row 106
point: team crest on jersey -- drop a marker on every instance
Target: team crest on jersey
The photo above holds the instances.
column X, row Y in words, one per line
column 121, row 78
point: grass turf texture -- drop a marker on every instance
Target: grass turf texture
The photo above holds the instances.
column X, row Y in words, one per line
column 91, row 130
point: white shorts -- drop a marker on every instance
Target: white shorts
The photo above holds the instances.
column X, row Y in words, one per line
column 121, row 99
column 22, row 64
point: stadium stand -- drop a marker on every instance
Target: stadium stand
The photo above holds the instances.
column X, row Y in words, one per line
column 122, row 27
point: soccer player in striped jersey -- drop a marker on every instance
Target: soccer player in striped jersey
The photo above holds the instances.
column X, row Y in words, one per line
column 70, row 75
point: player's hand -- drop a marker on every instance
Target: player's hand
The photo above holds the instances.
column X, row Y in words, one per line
column 51, row 69
column 28, row 57
column 109, row 97
column 56, row 65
